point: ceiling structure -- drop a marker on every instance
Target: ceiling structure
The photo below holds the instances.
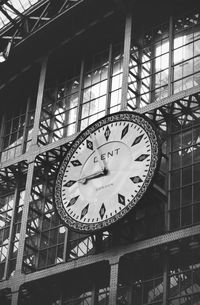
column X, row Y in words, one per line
column 21, row 18
column 11, row 9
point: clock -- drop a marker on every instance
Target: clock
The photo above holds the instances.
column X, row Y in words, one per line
column 106, row 171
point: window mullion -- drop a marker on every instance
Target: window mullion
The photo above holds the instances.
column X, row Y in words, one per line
column 25, row 131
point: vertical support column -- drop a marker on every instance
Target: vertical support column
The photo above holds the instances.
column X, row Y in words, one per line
column 80, row 97
column 65, row 252
column 25, row 132
column 109, row 84
column 165, row 278
column 39, row 102
column 152, row 75
column 139, row 82
column 30, row 172
column 114, row 268
column 66, row 114
column 53, row 113
column 168, row 183
column 126, row 59
column 168, row 152
column 94, row 298
column 2, row 132
column 170, row 75
column 11, row 233
column 15, row 295
column 24, row 220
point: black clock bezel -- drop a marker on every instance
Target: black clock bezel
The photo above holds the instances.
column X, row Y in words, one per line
column 128, row 116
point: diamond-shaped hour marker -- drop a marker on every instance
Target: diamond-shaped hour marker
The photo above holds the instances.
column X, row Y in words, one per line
column 136, row 179
column 142, row 157
column 102, row 211
column 72, row 201
column 89, row 144
column 124, row 131
column 76, row 162
column 121, row 199
column 84, row 211
column 137, row 140
column 69, row 183
column 107, row 133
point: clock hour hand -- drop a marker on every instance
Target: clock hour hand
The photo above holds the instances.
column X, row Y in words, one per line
column 100, row 161
column 92, row 176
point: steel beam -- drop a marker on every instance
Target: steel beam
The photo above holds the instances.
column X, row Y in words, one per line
column 114, row 270
column 117, row 253
column 35, row 151
column 11, row 232
column 168, row 100
column 80, row 96
column 126, row 59
column 15, row 295
column 24, row 220
column 109, row 81
column 165, row 278
column 39, row 102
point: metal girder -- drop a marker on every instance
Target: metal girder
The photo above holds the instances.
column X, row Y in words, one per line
column 23, row 25
column 164, row 240
column 161, row 112
column 168, row 100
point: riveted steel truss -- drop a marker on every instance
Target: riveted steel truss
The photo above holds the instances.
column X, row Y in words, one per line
column 23, row 24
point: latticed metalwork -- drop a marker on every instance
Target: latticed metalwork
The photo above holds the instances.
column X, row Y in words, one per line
column 152, row 255
column 12, row 201
column 20, row 18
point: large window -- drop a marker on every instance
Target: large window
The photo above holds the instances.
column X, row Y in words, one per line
column 149, row 67
column 95, row 88
column 7, row 203
column 11, row 206
column 59, row 110
column 146, row 279
column 16, row 132
column 183, row 278
column 92, row 90
column 140, row 282
column 164, row 61
column 186, row 52
column 45, row 235
column 184, row 175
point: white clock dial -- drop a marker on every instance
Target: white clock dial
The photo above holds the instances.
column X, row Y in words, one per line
column 106, row 171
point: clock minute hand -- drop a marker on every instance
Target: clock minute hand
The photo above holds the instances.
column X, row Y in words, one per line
column 94, row 175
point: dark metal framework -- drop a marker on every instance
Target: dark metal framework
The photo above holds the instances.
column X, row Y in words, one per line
column 140, row 260
column 24, row 24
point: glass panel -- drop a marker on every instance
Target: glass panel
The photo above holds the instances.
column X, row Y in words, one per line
column 175, row 179
column 187, row 175
column 185, row 49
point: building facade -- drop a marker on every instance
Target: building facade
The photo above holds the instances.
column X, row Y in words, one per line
column 71, row 63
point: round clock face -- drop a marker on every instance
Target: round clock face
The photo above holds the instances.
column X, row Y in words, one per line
column 106, row 171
